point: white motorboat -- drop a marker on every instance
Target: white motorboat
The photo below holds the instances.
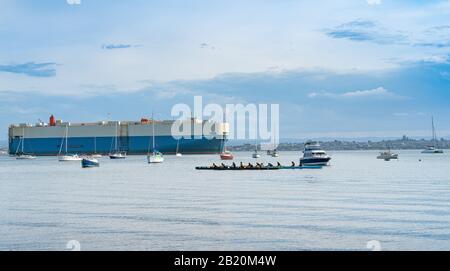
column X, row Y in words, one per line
column 314, row 155
column 432, row 150
column 387, row 156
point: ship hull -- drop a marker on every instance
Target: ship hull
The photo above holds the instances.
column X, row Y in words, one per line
column 138, row 145
column 315, row 161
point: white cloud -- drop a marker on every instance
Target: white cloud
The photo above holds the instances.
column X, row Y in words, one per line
column 379, row 92
column 73, row 2
column 374, row 2
column 365, row 93
column 409, row 114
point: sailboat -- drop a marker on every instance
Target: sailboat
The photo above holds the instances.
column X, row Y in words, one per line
column 434, row 149
column 96, row 155
column 155, row 157
column 256, row 154
column 67, row 157
column 21, row 155
column 117, row 154
column 178, row 153
column 274, row 152
column 226, row 155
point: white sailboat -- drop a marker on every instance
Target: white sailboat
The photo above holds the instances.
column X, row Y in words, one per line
column 67, row 157
column 155, row 157
column 117, row 154
column 434, row 149
column 96, row 155
column 274, row 153
column 256, row 155
column 22, row 155
column 178, row 153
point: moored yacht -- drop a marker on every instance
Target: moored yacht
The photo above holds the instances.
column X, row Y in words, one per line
column 387, row 156
column 226, row 155
column 67, row 157
column 177, row 152
column 25, row 157
column 155, row 158
column 314, row 155
column 118, row 155
column 273, row 153
column 22, row 155
column 89, row 162
column 434, row 149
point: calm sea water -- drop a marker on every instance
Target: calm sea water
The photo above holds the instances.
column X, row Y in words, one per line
column 130, row 205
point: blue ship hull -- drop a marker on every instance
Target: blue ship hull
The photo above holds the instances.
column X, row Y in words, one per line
column 138, row 145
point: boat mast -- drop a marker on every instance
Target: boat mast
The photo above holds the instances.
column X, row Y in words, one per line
column 435, row 141
column 62, row 144
column 117, row 138
column 23, row 138
column 153, row 131
column 67, row 136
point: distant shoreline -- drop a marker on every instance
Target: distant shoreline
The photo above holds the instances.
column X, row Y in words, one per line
column 340, row 145
column 404, row 143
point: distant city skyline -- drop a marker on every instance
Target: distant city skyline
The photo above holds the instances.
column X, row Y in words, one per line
column 338, row 69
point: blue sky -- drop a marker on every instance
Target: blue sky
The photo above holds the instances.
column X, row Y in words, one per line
column 337, row 68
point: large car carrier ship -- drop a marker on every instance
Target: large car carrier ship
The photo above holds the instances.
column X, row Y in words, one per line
column 105, row 137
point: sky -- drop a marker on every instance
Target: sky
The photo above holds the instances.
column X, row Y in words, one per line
column 337, row 68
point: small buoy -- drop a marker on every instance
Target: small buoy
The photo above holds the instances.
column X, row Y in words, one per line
column 420, row 160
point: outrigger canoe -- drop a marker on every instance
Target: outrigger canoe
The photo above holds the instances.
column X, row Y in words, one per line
column 257, row 168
